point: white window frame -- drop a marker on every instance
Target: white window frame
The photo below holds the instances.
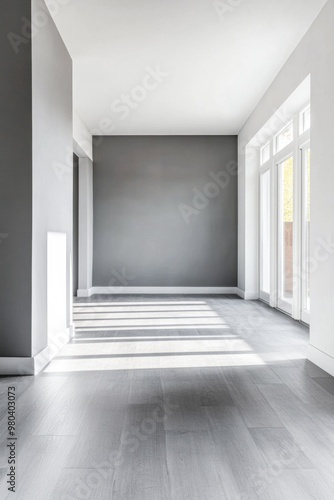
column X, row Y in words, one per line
column 302, row 120
column 287, row 125
column 295, row 149
column 265, row 296
column 261, row 153
column 305, row 313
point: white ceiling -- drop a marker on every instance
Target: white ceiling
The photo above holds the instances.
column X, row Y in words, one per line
column 218, row 66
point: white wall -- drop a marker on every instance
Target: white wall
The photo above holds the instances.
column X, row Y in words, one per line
column 85, row 267
column 52, row 164
column 315, row 56
column 82, row 137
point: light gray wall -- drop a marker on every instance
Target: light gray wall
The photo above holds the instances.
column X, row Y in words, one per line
column 85, row 270
column 140, row 235
column 15, row 183
column 52, row 163
column 313, row 56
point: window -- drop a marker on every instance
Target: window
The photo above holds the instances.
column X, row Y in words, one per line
column 284, row 216
column 284, row 138
column 305, row 120
column 265, row 153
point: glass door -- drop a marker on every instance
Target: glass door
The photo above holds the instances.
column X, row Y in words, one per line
column 265, row 235
column 285, row 235
column 285, row 263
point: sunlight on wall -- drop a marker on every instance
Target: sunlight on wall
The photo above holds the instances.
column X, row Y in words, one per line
column 56, row 285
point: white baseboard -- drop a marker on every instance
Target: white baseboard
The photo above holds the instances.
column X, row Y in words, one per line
column 85, row 292
column 35, row 364
column 247, row 295
column 43, row 358
column 319, row 358
column 71, row 331
column 142, row 290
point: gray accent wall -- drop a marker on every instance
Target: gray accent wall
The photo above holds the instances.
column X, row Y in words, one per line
column 15, row 181
column 153, row 225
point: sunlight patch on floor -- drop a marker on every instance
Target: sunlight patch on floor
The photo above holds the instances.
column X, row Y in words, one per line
column 155, row 347
column 114, row 351
column 112, row 338
column 131, row 328
column 154, row 362
column 134, row 303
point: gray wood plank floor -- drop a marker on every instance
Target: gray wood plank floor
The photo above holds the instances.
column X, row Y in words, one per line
column 174, row 398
